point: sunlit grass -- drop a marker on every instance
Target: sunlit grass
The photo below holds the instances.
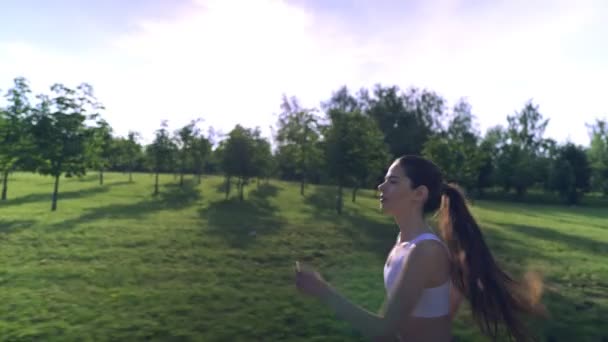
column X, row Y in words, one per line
column 116, row 263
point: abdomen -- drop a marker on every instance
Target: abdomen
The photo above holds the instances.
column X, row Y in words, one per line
column 427, row 329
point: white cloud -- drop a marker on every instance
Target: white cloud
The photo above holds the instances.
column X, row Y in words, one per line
column 230, row 61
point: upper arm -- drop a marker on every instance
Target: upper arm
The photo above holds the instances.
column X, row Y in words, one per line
column 416, row 273
column 455, row 300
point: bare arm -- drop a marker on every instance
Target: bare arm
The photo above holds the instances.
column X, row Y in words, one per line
column 400, row 302
column 455, row 300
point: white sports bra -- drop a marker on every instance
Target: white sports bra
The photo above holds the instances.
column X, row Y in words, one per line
column 435, row 301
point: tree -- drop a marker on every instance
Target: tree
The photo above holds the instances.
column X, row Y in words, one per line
column 338, row 159
column 60, row 134
column 298, row 132
column 100, row 147
column 127, row 154
column 571, row 173
column 263, row 160
column 132, row 151
column 219, row 157
column 185, row 139
column 521, row 151
column 238, row 156
column 598, row 155
column 160, row 152
column 201, row 149
column 286, row 158
column 15, row 140
column 547, row 155
column 456, row 150
column 355, row 151
column 489, row 149
column 407, row 119
column 526, row 128
column 370, row 153
column 212, row 164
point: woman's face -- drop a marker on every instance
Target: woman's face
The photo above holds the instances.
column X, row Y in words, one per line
column 396, row 193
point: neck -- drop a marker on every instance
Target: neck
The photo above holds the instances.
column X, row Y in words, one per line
column 411, row 226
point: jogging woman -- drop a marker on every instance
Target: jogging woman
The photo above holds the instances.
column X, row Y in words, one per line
column 426, row 276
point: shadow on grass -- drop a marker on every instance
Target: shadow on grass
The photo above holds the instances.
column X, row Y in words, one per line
column 573, row 306
column 176, row 196
column 572, row 318
column 544, row 211
column 570, row 221
column 118, row 183
column 569, row 240
column 12, row 226
column 235, row 220
column 543, row 198
column 366, row 233
column 569, row 319
column 265, row 190
column 89, row 177
column 221, row 186
column 47, row 196
column 171, row 197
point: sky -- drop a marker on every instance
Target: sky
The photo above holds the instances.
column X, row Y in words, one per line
column 231, row 61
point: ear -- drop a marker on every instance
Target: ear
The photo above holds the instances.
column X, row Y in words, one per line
column 421, row 193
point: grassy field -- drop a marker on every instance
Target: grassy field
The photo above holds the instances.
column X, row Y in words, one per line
column 116, row 264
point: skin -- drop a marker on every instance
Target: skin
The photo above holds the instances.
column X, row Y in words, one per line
column 427, row 266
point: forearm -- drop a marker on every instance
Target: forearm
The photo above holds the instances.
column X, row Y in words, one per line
column 367, row 323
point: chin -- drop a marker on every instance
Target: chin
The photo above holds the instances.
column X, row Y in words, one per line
column 385, row 209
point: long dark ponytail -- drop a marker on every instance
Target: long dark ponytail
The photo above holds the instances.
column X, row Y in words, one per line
column 495, row 297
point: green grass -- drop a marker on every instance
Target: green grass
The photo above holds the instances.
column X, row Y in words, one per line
column 115, row 263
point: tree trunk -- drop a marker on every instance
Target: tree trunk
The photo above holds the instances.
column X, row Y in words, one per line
column 199, row 176
column 227, row 187
column 101, row 176
column 354, row 199
column 55, row 191
column 130, row 176
column 302, row 187
column 241, row 186
column 339, row 200
column 181, row 179
column 4, row 185
column 258, row 182
column 156, row 184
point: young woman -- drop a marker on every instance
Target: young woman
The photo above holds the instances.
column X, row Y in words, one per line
column 427, row 276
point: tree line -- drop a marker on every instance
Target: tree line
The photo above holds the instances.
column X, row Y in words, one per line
column 347, row 142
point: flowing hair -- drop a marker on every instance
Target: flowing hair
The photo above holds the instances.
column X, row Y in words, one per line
column 494, row 296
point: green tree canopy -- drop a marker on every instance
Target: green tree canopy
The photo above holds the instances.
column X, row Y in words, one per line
column 60, row 133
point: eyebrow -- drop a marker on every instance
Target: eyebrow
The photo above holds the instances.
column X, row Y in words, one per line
column 392, row 177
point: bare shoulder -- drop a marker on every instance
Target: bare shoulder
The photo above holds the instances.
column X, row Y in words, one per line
column 430, row 249
column 432, row 256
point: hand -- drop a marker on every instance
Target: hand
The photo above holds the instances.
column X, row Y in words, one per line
column 309, row 281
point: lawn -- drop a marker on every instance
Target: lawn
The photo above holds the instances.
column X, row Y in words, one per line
column 115, row 263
